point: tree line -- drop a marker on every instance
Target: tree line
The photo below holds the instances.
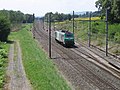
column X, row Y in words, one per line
column 58, row 16
column 8, row 17
column 61, row 17
column 93, row 14
column 17, row 16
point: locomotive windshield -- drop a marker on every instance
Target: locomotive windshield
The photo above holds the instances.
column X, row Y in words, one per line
column 69, row 35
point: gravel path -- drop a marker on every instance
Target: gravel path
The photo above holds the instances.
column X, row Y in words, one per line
column 16, row 76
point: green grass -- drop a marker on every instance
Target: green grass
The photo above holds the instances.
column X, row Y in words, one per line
column 40, row 70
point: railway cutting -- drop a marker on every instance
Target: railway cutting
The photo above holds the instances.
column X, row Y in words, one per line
column 80, row 66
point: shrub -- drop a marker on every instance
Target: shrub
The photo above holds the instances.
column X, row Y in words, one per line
column 3, row 53
column 117, row 37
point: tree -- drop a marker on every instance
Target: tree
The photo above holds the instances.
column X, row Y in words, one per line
column 4, row 28
column 114, row 9
column 69, row 17
column 29, row 18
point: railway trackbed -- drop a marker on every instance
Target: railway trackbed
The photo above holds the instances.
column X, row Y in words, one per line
column 82, row 69
column 100, row 61
column 111, row 59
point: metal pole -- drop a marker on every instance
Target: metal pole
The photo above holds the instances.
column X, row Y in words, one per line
column 89, row 32
column 43, row 23
column 33, row 28
column 83, row 25
column 49, row 35
column 33, row 17
column 47, row 22
column 54, row 25
column 73, row 22
column 106, row 32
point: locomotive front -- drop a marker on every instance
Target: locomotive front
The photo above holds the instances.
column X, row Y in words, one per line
column 69, row 39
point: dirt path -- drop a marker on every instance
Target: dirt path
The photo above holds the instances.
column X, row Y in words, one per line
column 17, row 79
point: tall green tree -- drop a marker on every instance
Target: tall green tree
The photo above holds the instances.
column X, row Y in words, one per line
column 4, row 28
column 114, row 9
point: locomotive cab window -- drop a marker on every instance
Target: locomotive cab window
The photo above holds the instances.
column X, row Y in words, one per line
column 55, row 34
column 69, row 35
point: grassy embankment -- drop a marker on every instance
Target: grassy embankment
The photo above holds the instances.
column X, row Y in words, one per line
column 97, row 32
column 41, row 71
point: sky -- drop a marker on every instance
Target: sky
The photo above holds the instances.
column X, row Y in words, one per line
column 41, row 7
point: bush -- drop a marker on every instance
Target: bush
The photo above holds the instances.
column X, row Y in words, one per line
column 3, row 53
column 117, row 37
column 3, row 56
column 4, row 28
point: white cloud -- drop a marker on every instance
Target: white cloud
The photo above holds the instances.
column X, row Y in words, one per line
column 40, row 7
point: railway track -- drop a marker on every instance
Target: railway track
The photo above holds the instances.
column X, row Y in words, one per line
column 77, row 60
column 110, row 54
column 111, row 59
column 79, row 70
